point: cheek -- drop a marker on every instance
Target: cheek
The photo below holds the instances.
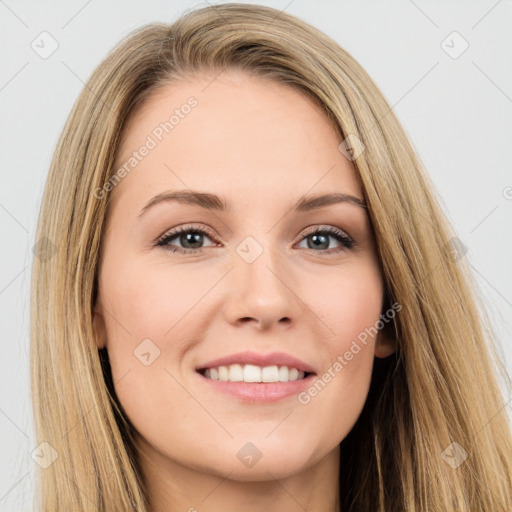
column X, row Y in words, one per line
column 350, row 307
column 150, row 300
column 142, row 307
column 152, row 320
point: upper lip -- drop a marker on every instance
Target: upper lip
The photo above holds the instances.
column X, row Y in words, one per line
column 270, row 359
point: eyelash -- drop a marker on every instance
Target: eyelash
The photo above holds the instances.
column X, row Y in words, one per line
column 338, row 234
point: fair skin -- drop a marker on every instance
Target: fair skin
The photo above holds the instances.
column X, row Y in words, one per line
column 260, row 146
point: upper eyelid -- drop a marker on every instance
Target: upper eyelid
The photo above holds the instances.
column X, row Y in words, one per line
column 321, row 227
column 183, row 229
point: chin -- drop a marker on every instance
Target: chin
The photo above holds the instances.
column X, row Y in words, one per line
column 264, row 471
column 265, row 465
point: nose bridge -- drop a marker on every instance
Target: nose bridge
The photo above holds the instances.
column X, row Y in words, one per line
column 261, row 284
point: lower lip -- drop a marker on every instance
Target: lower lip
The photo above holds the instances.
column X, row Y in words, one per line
column 260, row 391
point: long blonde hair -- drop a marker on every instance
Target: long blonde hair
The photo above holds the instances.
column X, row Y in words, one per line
column 440, row 387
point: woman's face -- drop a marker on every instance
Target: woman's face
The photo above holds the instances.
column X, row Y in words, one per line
column 255, row 285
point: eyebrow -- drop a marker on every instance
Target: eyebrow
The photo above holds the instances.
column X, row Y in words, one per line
column 214, row 202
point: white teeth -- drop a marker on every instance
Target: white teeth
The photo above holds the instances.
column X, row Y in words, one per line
column 223, row 373
column 236, row 373
column 270, row 374
column 253, row 373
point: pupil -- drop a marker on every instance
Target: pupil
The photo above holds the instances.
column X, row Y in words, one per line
column 324, row 242
column 192, row 237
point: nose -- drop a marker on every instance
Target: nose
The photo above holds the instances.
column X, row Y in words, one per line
column 262, row 292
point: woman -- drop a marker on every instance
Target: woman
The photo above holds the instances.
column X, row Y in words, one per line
column 254, row 299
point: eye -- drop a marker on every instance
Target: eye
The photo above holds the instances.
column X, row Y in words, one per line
column 190, row 237
column 318, row 239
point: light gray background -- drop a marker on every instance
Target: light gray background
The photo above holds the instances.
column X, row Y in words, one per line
column 457, row 112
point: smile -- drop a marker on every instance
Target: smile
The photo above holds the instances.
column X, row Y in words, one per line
column 253, row 373
column 253, row 377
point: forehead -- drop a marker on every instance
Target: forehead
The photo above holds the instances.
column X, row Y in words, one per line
column 244, row 135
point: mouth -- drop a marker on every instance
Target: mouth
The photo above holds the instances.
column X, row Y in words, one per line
column 257, row 378
column 253, row 373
